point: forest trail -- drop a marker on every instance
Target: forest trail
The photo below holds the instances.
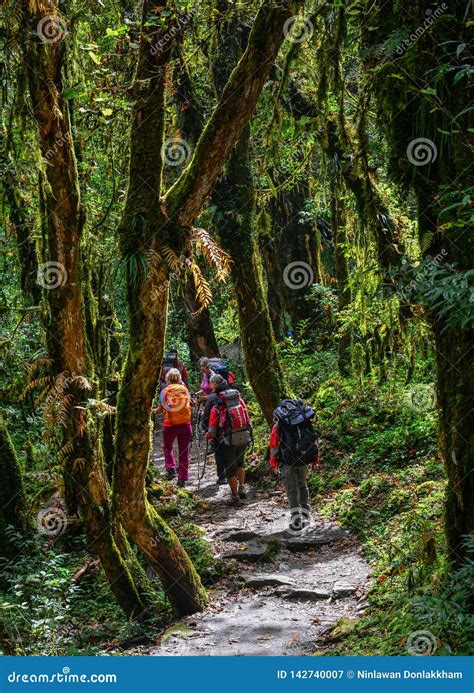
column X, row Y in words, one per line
column 290, row 587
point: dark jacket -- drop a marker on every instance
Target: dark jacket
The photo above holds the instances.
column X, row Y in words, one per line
column 210, row 403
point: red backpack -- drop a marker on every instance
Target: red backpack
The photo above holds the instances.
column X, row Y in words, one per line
column 234, row 421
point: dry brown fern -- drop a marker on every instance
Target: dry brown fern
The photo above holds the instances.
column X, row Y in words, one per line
column 212, row 252
column 203, row 290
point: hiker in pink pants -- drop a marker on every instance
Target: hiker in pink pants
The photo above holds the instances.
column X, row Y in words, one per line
column 175, row 402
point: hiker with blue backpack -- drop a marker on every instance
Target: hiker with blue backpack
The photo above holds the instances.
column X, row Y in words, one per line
column 209, row 367
column 231, row 432
column 293, row 449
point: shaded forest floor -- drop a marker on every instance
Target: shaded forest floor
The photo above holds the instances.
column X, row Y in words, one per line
column 289, row 587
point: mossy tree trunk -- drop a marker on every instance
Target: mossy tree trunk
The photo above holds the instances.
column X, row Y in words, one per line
column 63, row 221
column 22, row 222
column 200, row 330
column 298, row 244
column 339, row 234
column 234, row 198
column 12, row 496
column 440, row 174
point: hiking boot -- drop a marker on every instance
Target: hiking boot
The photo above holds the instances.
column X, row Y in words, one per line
column 235, row 502
column 170, row 474
column 181, row 483
column 242, row 492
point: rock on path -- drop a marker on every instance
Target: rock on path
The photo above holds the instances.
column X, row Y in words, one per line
column 288, row 590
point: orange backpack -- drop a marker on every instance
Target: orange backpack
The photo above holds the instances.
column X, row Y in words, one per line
column 177, row 404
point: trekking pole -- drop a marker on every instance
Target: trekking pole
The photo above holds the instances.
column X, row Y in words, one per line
column 201, row 476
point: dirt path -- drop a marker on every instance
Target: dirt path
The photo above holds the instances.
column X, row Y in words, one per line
column 289, row 588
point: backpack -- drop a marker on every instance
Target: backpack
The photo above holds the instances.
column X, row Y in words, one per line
column 170, row 360
column 298, row 444
column 234, row 422
column 177, row 404
column 219, row 367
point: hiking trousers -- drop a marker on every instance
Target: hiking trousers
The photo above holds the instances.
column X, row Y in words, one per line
column 183, row 433
column 294, row 478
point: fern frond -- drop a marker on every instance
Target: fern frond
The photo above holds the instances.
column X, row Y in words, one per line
column 44, row 382
column 212, row 252
column 63, row 411
column 172, row 260
column 81, row 381
column 203, row 290
column 65, row 451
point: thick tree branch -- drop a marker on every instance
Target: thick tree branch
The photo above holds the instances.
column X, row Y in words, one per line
column 233, row 112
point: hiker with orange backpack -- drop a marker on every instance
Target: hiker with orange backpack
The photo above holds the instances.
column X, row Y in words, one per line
column 175, row 402
column 231, row 430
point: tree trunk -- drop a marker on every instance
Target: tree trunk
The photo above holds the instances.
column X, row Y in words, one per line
column 339, row 234
column 22, row 223
column 299, row 265
column 12, row 496
column 71, row 369
column 234, row 197
column 201, row 338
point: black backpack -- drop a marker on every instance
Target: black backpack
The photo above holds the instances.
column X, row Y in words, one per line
column 170, row 360
column 298, row 445
column 219, row 367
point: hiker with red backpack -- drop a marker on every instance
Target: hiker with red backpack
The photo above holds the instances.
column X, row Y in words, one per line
column 175, row 402
column 231, row 430
column 293, row 449
column 217, row 385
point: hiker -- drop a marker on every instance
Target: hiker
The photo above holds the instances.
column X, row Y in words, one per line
column 231, row 430
column 293, row 448
column 217, row 385
column 205, row 387
column 175, row 402
column 171, row 360
column 221, row 367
